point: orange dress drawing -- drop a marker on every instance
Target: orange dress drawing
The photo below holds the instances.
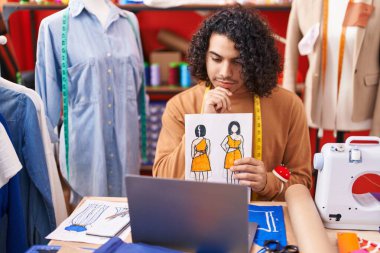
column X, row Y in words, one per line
column 233, row 155
column 201, row 162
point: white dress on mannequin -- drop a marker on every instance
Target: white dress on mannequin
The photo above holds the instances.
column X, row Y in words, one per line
column 337, row 108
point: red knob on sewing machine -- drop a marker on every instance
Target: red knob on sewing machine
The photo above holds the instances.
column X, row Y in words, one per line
column 282, row 173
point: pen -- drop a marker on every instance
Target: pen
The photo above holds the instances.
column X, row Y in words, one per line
column 117, row 215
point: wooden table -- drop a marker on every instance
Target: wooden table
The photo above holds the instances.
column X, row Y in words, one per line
column 368, row 235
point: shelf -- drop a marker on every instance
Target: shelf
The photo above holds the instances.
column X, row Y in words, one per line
column 146, row 169
column 164, row 89
column 163, row 92
column 9, row 8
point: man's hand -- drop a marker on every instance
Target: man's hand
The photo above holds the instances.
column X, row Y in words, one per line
column 217, row 101
column 250, row 172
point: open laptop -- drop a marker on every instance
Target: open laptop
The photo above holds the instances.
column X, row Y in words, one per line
column 206, row 217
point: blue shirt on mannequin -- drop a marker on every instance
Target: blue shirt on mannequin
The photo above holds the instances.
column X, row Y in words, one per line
column 105, row 69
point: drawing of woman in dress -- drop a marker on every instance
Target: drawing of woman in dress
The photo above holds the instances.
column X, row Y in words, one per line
column 233, row 146
column 200, row 151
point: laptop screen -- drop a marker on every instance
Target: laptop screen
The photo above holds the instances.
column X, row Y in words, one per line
column 187, row 214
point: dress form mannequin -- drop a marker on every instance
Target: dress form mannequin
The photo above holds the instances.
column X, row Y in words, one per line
column 99, row 8
column 358, row 103
column 96, row 56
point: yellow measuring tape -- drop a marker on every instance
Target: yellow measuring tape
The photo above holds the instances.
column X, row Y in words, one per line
column 258, row 145
column 258, row 129
column 258, row 126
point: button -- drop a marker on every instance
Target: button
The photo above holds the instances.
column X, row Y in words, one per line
column 110, row 187
column 109, row 88
column 109, row 122
column 111, row 155
column 108, row 54
column 109, row 105
column 109, row 71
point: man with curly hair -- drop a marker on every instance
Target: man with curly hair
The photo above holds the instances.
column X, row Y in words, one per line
column 234, row 57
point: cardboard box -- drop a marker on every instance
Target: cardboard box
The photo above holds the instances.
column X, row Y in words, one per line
column 164, row 58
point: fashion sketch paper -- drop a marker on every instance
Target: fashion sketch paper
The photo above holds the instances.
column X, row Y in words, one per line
column 94, row 222
column 213, row 142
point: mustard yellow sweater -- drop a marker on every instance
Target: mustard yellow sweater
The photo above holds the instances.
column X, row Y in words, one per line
column 285, row 136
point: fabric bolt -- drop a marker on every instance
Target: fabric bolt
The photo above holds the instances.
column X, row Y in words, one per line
column 59, row 203
column 285, row 136
column 9, row 162
column 105, row 69
column 20, row 114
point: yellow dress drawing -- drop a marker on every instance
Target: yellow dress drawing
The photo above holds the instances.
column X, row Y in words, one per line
column 233, row 155
column 201, row 162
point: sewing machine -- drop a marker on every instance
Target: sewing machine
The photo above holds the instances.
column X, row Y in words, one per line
column 340, row 204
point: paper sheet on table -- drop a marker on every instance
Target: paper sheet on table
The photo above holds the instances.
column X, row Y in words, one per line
column 92, row 215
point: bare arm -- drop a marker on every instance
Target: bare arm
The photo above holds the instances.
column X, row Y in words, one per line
column 241, row 146
column 208, row 147
column 224, row 144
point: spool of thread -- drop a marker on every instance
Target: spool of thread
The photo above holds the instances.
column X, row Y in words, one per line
column 155, row 79
column 173, row 74
column 185, row 79
column 347, row 242
column 146, row 74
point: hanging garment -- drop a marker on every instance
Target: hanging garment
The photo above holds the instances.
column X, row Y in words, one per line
column 9, row 162
column 58, row 199
column 21, row 117
column 12, row 224
column 105, row 68
column 360, row 89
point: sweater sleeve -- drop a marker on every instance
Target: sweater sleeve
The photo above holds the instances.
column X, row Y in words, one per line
column 296, row 156
column 170, row 153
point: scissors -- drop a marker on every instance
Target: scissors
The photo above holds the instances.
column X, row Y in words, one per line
column 274, row 246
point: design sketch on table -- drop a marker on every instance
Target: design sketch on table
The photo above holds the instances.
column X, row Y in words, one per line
column 200, row 152
column 87, row 217
column 233, row 145
column 270, row 221
column 119, row 212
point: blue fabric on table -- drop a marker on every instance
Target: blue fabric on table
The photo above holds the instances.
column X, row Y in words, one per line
column 270, row 221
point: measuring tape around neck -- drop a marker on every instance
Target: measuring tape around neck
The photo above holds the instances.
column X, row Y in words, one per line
column 258, row 133
column 65, row 84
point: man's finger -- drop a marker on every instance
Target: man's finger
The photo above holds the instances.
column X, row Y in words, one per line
column 248, row 160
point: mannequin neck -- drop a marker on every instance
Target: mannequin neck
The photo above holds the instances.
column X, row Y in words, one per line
column 99, row 8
